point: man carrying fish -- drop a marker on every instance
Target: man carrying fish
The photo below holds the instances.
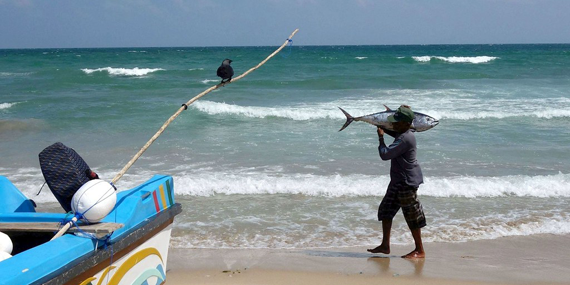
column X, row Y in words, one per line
column 405, row 172
column 405, row 178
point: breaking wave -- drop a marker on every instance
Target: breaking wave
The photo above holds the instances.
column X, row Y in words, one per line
column 544, row 114
column 329, row 110
column 123, row 71
column 209, row 184
column 449, row 222
column 294, row 113
column 456, row 59
column 7, row 105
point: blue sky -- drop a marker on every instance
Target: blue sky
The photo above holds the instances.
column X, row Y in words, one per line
column 147, row 23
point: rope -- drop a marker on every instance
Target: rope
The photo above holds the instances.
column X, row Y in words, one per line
column 41, row 188
column 106, row 240
column 65, row 220
column 185, row 106
column 83, row 233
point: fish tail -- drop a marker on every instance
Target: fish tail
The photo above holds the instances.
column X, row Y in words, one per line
column 349, row 119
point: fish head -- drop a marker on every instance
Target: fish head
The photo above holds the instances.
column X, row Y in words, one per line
column 424, row 122
column 431, row 121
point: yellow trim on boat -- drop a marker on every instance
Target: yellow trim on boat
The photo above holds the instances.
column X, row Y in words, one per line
column 88, row 281
column 162, row 197
column 105, row 272
column 131, row 262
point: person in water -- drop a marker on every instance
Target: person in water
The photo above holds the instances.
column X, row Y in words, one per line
column 405, row 178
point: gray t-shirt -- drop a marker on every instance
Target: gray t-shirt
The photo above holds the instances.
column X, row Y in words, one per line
column 402, row 153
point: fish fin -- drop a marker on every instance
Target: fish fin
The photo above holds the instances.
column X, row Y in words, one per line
column 387, row 108
column 349, row 119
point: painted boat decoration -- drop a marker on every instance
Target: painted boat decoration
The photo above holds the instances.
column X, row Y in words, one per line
column 128, row 246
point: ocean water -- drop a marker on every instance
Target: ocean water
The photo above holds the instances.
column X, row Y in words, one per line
column 260, row 163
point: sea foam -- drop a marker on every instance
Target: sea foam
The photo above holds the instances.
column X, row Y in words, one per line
column 292, row 234
column 355, row 218
column 493, row 227
column 456, row 59
column 123, row 71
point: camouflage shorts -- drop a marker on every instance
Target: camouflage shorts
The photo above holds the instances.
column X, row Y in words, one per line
column 401, row 195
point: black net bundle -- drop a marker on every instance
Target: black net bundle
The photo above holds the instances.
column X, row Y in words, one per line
column 64, row 171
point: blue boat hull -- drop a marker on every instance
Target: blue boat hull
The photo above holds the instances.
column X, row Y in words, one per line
column 134, row 254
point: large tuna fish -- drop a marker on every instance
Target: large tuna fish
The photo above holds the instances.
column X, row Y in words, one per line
column 422, row 122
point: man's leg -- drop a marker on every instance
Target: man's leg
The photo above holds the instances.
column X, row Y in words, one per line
column 386, row 212
column 385, row 246
column 415, row 218
column 418, row 252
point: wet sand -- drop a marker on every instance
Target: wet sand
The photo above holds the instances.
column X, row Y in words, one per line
column 539, row 259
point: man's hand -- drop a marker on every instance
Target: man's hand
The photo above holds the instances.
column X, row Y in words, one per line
column 380, row 131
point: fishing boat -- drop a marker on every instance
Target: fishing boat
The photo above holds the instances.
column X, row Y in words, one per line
column 128, row 246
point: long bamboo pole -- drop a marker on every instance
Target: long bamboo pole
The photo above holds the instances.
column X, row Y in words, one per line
column 185, row 106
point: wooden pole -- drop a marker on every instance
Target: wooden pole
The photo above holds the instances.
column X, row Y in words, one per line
column 64, row 228
column 185, row 106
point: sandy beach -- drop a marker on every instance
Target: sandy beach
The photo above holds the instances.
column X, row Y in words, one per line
column 539, row 259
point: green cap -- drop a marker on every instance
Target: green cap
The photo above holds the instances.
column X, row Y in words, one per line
column 402, row 114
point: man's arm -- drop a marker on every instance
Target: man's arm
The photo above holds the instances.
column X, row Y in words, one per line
column 397, row 148
column 391, row 133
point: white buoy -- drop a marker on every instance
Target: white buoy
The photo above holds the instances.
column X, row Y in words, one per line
column 4, row 255
column 6, row 244
column 94, row 200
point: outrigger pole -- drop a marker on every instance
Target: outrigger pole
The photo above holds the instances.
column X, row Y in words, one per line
column 182, row 108
column 185, row 106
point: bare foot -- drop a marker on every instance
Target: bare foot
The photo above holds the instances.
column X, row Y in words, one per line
column 380, row 249
column 415, row 254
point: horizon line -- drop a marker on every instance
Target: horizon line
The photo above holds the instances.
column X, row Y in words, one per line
column 261, row 46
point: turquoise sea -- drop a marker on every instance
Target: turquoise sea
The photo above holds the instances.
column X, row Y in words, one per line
column 260, row 163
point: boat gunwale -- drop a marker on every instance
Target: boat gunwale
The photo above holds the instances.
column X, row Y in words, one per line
column 128, row 240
